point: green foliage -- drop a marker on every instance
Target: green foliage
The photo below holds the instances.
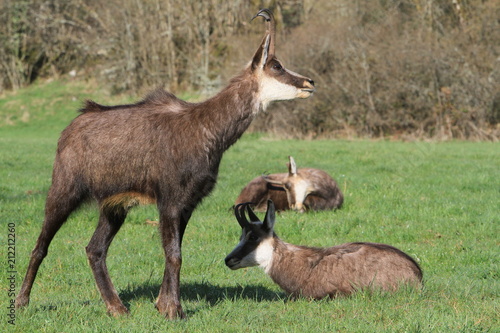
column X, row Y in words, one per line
column 436, row 201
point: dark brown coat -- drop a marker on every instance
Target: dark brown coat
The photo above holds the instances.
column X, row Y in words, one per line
column 161, row 150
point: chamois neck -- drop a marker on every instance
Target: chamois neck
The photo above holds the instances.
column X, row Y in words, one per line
column 289, row 266
column 227, row 115
column 281, row 251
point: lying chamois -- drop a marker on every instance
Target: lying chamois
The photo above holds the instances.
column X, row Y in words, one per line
column 319, row 272
column 299, row 189
column 161, row 151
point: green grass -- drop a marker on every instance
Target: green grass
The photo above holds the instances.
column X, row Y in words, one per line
column 439, row 202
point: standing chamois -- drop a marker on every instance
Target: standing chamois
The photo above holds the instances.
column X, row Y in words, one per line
column 161, row 151
column 319, row 272
column 300, row 189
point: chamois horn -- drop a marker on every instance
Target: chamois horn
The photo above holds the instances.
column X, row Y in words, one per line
column 271, row 26
column 239, row 213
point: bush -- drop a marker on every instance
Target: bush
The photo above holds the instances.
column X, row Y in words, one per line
column 407, row 69
column 395, row 70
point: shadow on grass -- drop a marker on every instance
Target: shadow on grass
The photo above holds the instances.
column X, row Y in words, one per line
column 195, row 292
column 212, row 294
column 204, row 292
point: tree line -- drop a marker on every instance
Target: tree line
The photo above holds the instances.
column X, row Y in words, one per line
column 407, row 69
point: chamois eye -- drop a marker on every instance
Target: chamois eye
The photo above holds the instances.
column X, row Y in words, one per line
column 277, row 67
column 253, row 237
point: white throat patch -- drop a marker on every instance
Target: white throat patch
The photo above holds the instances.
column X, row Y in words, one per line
column 263, row 254
column 274, row 90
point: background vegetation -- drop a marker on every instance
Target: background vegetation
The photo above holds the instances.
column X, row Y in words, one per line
column 436, row 201
column 402, row 68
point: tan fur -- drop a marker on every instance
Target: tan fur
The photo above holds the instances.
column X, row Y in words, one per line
column 340, row 270
column 300, row 189
column 319, row 272
column 127, row 200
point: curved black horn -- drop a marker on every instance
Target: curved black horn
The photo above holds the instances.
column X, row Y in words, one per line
column 251, row 214
column 271, row 26
column 239, row 213
column 265, row 13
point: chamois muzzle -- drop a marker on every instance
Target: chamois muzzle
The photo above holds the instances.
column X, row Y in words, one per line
column 308, row 89
column 232, row 263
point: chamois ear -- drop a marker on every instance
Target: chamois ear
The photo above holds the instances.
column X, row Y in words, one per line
column 260, row 57
column 292, row 167
column 270, row 179
column 270, row 216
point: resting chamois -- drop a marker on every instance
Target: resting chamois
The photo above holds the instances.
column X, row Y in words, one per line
column 319, row 272
column 161, row 151
column 300, row 189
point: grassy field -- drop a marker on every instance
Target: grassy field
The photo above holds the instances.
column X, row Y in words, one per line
column 439, row 202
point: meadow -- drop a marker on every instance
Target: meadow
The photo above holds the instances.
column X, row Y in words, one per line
column 438, row 202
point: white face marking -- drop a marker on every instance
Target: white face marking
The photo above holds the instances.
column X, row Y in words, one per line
column 262, row 256
column 274, row 90
column 301, row 190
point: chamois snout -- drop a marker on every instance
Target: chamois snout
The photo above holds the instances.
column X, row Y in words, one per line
column 307, row 88
column 309, row 84
column 230, row 262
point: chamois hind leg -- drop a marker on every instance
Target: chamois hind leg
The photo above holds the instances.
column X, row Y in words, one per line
column 62, row 200
column 172, row 229
column 109, row 224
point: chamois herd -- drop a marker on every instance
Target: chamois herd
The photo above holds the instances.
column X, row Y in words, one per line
column 166, row 151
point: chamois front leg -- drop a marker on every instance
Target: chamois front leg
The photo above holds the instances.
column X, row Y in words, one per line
column 172, row 231
column 97, row 250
